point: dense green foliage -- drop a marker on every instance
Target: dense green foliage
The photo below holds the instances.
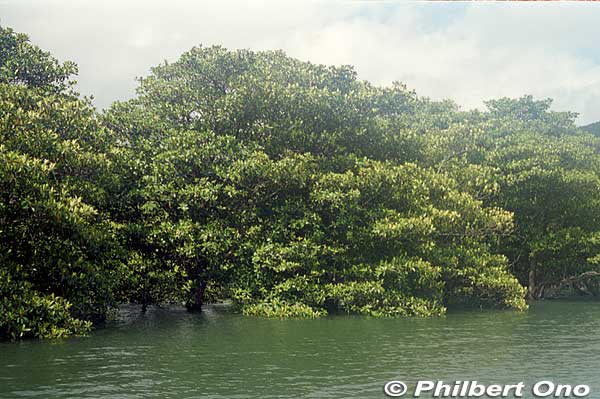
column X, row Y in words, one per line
column 290, row 188
column 24, row 64
column 544, row 170
column 59, row 259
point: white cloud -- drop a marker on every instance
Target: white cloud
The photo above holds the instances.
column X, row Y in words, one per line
column 466, row 52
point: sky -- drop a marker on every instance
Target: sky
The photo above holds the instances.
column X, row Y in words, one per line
column 469, row 52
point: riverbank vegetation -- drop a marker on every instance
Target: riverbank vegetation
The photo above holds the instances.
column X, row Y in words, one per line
column 291, row 189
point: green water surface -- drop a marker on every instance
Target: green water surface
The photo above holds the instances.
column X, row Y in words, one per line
column 168, row 353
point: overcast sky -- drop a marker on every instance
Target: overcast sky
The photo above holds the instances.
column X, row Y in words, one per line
column 469, row 52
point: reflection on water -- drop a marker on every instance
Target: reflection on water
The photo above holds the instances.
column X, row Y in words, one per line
column 168, row 353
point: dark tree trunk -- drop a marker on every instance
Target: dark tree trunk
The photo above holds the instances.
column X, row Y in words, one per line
column 532, row 289
column 145, row 301
column 197, row 298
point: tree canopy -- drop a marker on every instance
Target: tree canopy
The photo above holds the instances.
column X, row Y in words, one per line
column 289, row 188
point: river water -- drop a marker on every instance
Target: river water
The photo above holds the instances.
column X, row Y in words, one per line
column 168, row 353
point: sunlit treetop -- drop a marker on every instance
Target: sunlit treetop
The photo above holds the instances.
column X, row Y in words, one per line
column 22, row 63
